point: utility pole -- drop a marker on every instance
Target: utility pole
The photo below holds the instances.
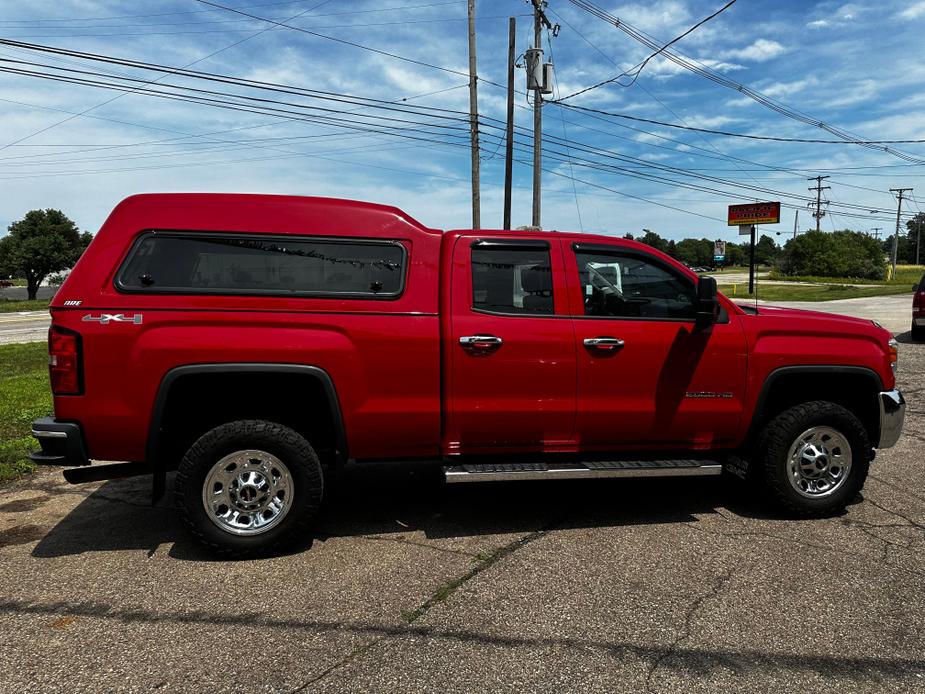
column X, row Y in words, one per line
column 509, row 144
column 899, row 209
column 474, row 119
column 796, row 218
column 537, row 118
column 536, row 82
column 876, row 232
column 819, row 214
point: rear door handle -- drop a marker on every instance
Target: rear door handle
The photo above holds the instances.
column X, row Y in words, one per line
column 480, row 341
column 603, row 343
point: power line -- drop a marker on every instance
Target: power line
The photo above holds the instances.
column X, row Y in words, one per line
column 748, row 136
column 703, row 71
column 637, row 70
column 109, row 101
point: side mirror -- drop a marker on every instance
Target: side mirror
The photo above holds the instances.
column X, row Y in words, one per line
column 915, row 287
column 707, row 303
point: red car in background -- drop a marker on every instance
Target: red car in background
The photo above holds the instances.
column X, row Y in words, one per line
column 918, row 310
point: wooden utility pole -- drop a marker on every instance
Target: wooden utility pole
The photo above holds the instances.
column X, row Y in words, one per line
column 509, row 144
column 537, row 117
column 474, row 119
column 899, row 210
column 819, row 214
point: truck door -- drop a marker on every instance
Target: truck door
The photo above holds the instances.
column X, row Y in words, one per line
column 648, row 375
column 510, row 356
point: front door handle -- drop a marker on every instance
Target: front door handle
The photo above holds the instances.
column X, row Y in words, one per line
column 480, row 341
column 603, row 343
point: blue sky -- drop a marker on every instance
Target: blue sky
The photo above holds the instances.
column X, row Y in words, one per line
column 856, row 66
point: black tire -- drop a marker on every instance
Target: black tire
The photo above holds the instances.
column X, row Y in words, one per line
column 289, row 448
column 784, row 430
column 918, row 332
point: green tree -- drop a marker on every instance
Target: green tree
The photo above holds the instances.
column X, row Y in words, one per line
column 915, row 230
column 845, row 253
column 42, row 242
column 695, row 251
column 766, row 250
column 650, row 238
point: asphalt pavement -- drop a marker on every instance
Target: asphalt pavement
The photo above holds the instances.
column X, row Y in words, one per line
column 581, row 586
column 24, row 326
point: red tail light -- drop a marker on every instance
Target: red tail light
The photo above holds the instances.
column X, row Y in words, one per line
column 64, row 365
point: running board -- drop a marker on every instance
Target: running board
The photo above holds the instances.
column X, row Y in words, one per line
column 491, row 472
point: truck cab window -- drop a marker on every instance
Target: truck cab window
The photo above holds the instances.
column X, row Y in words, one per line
column 506, row 280
column 628, row 286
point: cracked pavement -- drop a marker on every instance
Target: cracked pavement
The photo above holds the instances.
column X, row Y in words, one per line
column 580, row 586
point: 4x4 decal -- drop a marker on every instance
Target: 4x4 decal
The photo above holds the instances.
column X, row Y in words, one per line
column 107, row 318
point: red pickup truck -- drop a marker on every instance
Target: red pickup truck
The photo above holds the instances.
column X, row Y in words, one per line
column 258, row 343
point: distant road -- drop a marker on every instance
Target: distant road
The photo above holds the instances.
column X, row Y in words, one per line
column 893, row 312
column 25, row 326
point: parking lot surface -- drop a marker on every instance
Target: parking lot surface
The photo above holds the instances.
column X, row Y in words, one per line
column 583, row 586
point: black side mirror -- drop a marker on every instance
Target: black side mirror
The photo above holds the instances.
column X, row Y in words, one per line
column 707, row 303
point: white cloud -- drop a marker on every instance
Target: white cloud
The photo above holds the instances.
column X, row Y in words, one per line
column 760, row 51
column 819, row 24
column 913, row 11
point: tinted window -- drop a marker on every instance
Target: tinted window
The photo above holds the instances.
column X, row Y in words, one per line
column 627, row 286
column 246, row 264
column 506, row 280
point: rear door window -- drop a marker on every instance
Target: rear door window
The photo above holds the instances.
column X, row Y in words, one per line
column 215, row 263
column 512, row 280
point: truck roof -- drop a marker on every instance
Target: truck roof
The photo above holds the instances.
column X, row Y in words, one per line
column 260, row 212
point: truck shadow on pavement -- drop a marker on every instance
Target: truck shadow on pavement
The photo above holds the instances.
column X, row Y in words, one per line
column 367, row 503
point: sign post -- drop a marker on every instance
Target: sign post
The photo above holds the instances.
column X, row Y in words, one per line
column 746, row 217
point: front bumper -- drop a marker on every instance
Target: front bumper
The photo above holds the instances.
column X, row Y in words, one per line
column 892, row 414
column 62, row 443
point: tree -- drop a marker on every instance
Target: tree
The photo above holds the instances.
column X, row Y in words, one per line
column 42, row 242
column 650, row 238
column 695, row 252
column 766, row 250
column 848, row 254
column 915, row 229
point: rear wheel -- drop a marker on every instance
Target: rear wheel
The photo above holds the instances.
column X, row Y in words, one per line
column 249, row 488
column 918, row 332
column 814, row 458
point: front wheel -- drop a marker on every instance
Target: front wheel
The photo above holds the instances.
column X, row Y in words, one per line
column 249, row 488
column 814, row 458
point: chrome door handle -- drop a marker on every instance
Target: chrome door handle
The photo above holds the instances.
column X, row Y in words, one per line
column 480, row 341
column 605, row 343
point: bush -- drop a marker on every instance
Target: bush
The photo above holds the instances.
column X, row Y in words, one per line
column 839, row 254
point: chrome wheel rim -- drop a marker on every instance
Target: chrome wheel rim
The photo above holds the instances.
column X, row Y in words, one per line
column 819, row 462
column 247, row 492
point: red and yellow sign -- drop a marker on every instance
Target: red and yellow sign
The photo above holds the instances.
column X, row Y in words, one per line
column 754, row 213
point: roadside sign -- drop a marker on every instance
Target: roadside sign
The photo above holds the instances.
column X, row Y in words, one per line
column 719, row 249
column 753, row 213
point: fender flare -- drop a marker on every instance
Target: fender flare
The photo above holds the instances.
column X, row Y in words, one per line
column 808, row 369
column 153, row 448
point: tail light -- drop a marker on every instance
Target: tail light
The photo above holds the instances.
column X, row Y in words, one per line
column 894, row 353
column 64, row 362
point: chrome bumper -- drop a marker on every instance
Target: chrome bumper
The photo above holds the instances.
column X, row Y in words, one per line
column 892, row 414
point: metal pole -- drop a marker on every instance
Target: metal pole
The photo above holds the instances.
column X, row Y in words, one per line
column 537, row 123
column 474, row 119
column 899, row 209
column 796, row 217
column 509, row 145
column 751, row 264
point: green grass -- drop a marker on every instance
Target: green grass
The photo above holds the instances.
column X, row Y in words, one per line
column 24, row 396
column 906, row 276
column 12, row 305
column 806, row 292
